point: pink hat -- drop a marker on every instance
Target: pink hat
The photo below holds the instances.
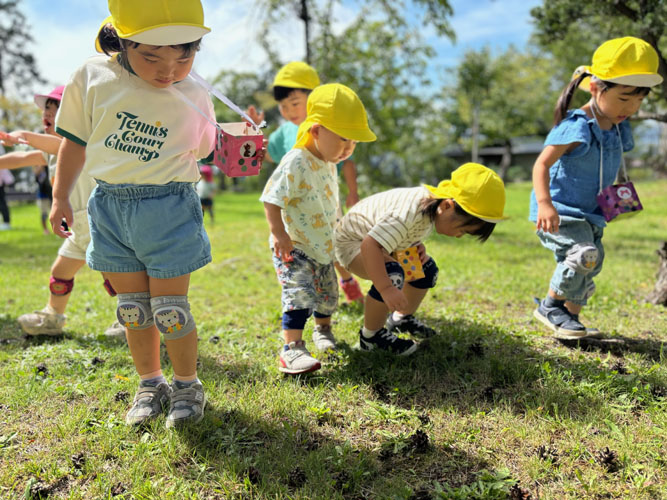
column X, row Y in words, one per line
column 206, row 172
column 56, row 94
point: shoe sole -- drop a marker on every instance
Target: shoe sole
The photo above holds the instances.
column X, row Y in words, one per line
column 299, row 372
column 562, row 333
column 37, row 333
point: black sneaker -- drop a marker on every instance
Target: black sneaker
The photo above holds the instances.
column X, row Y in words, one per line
column 410, row 324
column 387, row 341
column 559, row 319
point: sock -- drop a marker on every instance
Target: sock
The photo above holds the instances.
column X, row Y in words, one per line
column 180, row 384
column 153, row 382
column 551, row 302
column 397, row 316
column 49, row 310
column 368, row 333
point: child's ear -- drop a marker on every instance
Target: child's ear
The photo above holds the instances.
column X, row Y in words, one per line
column 445, row 205
column 315, row 130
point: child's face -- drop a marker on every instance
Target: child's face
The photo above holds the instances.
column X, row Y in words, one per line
column 617, row 103
column 49, row 116
column 160, row 66
column 330, row 146
column 293, row 107
column 449, row 223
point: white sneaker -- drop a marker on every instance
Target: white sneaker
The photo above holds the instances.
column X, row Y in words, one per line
column 323, row 338
column 5, row 226
column 116, row 331
column 42, row 322
column 296, row 359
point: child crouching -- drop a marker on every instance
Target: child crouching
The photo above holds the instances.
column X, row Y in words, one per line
column 301, row 203
column 368, row 236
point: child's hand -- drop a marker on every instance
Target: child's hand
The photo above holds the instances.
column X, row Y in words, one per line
column 548, row 219
column 61, row 211
column 256, row 116
column 394, row 298
column 423, row 256
column 12, row 139
column 282, row 247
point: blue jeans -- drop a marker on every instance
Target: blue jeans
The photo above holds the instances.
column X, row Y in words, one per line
column 575, row 286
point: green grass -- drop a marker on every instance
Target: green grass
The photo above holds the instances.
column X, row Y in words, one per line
column 491, row 401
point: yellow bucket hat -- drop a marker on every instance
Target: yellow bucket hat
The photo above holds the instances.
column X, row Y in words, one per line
column 340, row 110
column 625, row 61
column 157, row 22
column 297, row 75
column 477, row 189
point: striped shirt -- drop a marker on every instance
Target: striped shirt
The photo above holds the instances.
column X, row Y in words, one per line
column 392, row 218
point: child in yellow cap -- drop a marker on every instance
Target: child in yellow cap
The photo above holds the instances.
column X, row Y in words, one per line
column 125, row 121
column 582, row 156
column 301, row 202
column 368, row 236
column 291, row 87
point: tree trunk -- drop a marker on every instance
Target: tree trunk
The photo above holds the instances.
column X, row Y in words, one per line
column 475, row 134
column 506, row 160
column 659, row 294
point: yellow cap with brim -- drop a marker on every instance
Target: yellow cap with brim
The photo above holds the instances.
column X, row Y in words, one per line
column 156, row 22
column 337, row 108
column 297, row 75
column 624, row 61
column 477, row 189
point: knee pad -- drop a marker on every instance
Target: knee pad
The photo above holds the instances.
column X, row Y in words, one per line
column 582, row 257
column 134, row 310
column 295, row 319
column 172, row 316
column 60, row 287
column 396, row 275
column 430, row 276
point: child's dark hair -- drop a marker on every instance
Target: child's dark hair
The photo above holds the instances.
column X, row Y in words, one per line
column 52, row 101
column 566, row 96
column 429, row 207
column 111, row 43
column 280, row 93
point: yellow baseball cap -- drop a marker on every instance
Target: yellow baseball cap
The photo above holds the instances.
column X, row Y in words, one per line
column 477, row 189
column 340, row 110
column 625, row 61
column 297, row 75
column 156, row 22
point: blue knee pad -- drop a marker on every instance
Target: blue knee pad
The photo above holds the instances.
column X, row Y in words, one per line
column 295, row 319
column 134, row 310
column 430, row 276
column 172, row 316
column 396, row 275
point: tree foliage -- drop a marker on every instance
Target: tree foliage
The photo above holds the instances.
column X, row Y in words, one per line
column 571, row 30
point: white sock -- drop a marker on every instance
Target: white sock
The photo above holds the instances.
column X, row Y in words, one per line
column 368, row 333
column 397, row 316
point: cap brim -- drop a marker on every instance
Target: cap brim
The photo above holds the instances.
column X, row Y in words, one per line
column 168, row 34
column 644, row 80
column 40, row 100
column 353, row 134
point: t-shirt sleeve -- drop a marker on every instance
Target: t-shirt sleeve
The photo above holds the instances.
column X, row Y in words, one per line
column 389, row 231
column 74, row 120
column 279, row 189
column 572, row 129
column 276, row 146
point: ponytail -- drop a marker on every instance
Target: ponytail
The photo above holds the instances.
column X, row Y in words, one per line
column 109, row 41
column 566, row 97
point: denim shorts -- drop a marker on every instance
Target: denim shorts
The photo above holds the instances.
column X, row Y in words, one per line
column 307, row 284
column 154, row 228
column 574, row 286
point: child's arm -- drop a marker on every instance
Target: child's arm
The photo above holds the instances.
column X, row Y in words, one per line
column 373, row 255
column 44, row 142
column 71, row 158
column 547, row 216
column 20, row 159
column 349, row 171
column 282, row 243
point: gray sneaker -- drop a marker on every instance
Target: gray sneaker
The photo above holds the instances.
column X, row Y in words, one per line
column 559, row 319
column 42, row 322
column 295, row 359
column 116, row 331
column 187, row 404
column 323, row 338
column 149, row 402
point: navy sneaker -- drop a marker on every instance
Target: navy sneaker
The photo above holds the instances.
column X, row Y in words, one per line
column 558, row 318
column 410, row 324
column 387, row 341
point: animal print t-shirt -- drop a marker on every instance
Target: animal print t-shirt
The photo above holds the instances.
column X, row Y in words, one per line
column 306, row 189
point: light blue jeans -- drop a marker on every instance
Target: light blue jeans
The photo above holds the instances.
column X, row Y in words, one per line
column 575, row 286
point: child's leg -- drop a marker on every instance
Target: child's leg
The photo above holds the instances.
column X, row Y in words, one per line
column 64, row 268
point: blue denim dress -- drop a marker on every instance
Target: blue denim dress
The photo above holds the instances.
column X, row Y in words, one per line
column 574, row 180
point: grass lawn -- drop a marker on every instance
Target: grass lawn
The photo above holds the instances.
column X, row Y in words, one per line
column 491, row 408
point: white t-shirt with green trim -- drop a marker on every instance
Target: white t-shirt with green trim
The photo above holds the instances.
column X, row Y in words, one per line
column 133, row 132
